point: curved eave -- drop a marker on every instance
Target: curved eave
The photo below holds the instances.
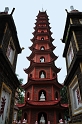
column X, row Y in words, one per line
column 52, row 47
column 43, row 103
column 42, row 41
column 42, row 28
column 35, row 33
column 43, row 34
column 39, row 22
column 65, row 105
column 36, row 27
column 40, row 32
column 54, row 103
column 40, row 81
column 47, row 64
column 48, row 51
column 50, row 39
column 20, row 105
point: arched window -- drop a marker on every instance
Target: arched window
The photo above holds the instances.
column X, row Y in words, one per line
column 56, row 95
column 42, row 31
column 28, row 96
column 42, row 48
column 42, row 38
column 42, row 95
column 30, row 75
column 42, row 74
column 42, row 118
column 42, row 59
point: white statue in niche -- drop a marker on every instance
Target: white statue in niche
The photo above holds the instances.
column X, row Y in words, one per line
column 42, row 120
column 42, row 75
column 42, row 97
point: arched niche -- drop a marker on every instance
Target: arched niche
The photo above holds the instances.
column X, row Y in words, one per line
column 56, row 95
column 42, row 59
column 42, row 74
column 42, row 95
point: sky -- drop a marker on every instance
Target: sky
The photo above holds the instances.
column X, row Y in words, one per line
column 24, row 17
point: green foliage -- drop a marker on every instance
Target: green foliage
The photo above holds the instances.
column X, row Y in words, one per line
column 21, row 97
column 19, row 115
column 63, row 94
column 64, row 100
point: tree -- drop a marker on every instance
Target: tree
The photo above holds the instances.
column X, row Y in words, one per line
column 21, row 97
column 64, row 100
column 63, row 93
column 21, row 92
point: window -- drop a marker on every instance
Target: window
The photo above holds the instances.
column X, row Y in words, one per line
column 54, row 75
column 42, row 38
column 80, row 20
column 42, row 74
column 70, row 54
column 42, row 59
column 42, row 48
column 10, row 51
column 30, row 75
column 42, row 118
column 75, row 96
column 56, row 95
column 25, row 116
column 28, row 96
column 5, row 103
column 42, row 31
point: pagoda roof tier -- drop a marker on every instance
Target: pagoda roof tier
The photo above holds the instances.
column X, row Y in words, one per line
column 43, row 41
column 42, row 17
column 52, row 47
column 34, row 39
column 45, row 64
column 41, row 14
column 42, row 27
column 36, row 32
column 40, row 22
column 40, row 52
column 52, row 103
column 40, row 81
column 42, row 34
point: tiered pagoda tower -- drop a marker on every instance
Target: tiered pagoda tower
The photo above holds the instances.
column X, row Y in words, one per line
column 42, row 90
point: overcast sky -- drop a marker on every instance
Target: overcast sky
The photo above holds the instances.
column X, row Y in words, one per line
column 24, row 17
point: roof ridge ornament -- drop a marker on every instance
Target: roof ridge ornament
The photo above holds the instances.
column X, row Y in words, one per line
column 72, row 8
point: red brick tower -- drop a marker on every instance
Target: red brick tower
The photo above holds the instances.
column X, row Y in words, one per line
column 42, row 90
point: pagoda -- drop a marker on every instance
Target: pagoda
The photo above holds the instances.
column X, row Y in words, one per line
column 42, row 91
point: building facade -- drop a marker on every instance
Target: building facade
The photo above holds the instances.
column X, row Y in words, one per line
column 42, row 90
column 73, row 53
column 9, row 49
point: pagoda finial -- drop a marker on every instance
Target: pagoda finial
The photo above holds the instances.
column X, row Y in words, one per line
column 42, row 9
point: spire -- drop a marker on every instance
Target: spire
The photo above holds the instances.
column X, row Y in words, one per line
column 42, row 9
